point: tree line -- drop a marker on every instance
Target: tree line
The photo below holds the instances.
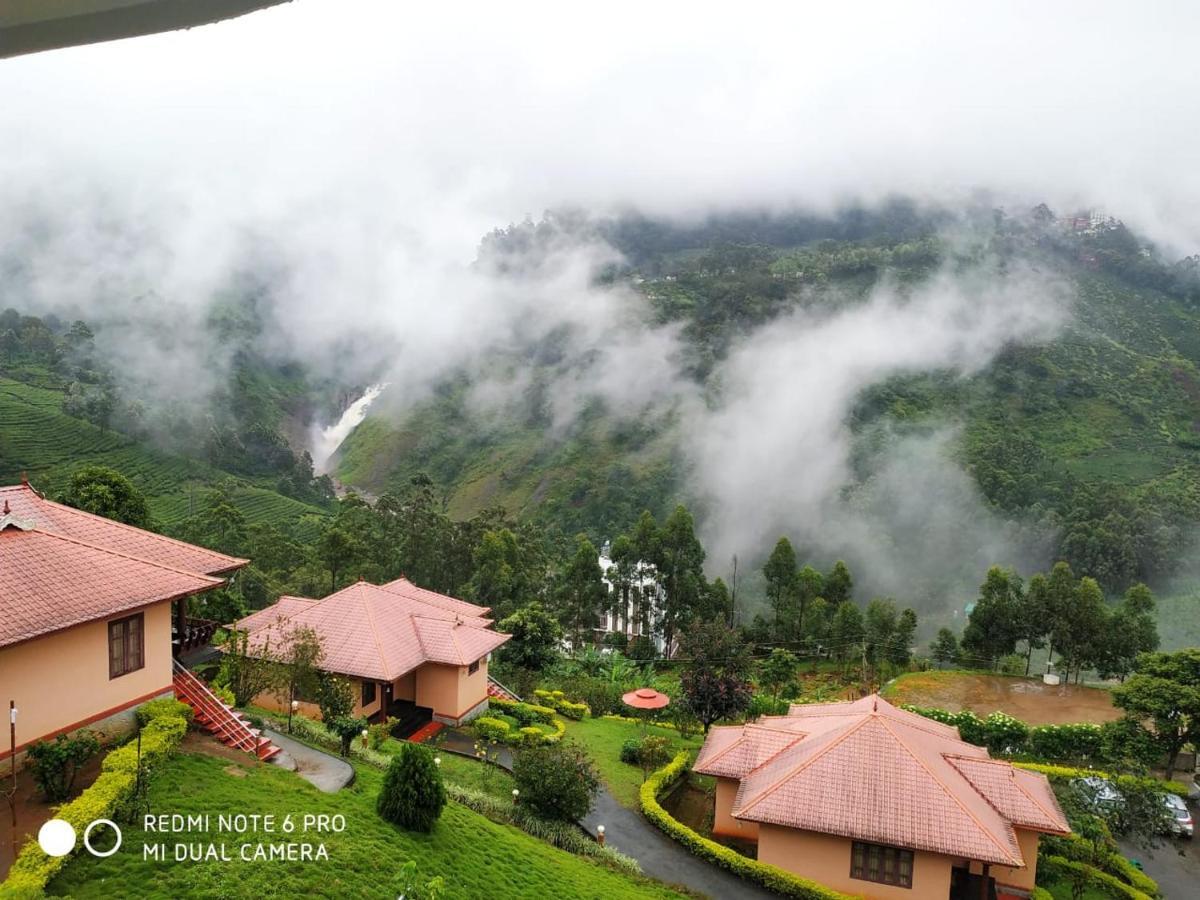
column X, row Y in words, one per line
column 1060, row 612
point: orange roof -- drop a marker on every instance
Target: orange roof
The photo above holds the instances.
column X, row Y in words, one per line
column 380, row 632
column 49, row 581
column 406, row 588
column 28, row 505
column 870, row 771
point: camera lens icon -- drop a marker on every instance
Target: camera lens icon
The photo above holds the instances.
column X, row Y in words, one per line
column 57, row 837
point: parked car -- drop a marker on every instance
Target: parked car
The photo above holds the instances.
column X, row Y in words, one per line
column 1181, row 823
column 1099, row 794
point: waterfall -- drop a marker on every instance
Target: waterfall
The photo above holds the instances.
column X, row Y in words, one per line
column 325, row 441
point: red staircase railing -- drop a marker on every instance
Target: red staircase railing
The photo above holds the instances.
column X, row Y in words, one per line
column 227, row 725
column 499, row 691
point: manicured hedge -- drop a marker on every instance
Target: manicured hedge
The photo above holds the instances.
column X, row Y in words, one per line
column 1056, row 868
column 770, row 877
column 1073, row 847
column 1069, row 773
column 1082, row 742
column 162, row 733
column 525, row 713
column 633, row 721
column 491, row 729
column 559, row 702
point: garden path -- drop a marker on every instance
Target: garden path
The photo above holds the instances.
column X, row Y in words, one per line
column 323, row 770
column 627, row 831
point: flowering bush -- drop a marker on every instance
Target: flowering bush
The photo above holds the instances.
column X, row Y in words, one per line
column 1111, row 743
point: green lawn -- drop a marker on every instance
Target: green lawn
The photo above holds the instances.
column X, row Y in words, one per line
column 477, row 857
column 603, row 739
column 465, row 772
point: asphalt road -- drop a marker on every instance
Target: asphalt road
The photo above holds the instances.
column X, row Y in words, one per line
column 1175, row 866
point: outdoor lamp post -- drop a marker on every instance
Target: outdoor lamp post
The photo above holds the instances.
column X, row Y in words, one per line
column 600, row 834
column 437, row 761
column 365, row 735
column 12, row 755
column 516, row 794
column 291, row 712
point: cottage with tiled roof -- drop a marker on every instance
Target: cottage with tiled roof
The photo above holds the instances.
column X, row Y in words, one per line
column 409, row 652
column 879, row 802
column 86, row 614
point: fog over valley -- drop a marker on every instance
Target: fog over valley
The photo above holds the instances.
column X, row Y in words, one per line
column 746, row 270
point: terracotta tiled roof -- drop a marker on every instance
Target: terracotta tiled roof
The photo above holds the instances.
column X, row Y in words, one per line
column 371, row 631
column 49, row 581
column 406, row 588
column 47, row 515
column 1021, row 796
column 751, row 746
column 869, row 771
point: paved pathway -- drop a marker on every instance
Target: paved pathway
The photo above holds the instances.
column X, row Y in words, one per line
column 627, row 831
column 663, row 858
column 1175, row 866
column 327, row 772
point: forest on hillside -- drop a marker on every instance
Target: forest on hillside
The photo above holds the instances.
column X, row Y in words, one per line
column 1085, row 445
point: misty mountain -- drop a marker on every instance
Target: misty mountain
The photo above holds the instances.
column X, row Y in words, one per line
column 919, row 392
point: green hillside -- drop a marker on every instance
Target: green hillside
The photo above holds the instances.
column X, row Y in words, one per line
column 1093, row 436
column 39, row 440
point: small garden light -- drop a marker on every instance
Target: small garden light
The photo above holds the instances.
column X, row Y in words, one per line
column 437, row 760
column 291, row 712
column 600, row 834
column 365, row 735
column 516, row 794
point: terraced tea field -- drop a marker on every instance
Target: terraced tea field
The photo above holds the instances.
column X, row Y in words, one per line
column 39, row 440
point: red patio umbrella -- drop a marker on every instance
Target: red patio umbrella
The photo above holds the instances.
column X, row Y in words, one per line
column 643, row 699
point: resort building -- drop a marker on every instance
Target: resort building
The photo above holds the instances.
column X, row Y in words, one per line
column 87, row 608
column 634, row 604
column 879, row 802
column 408, row 652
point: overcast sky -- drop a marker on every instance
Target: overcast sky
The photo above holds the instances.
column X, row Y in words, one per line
column 461, row 116
column 353, row 154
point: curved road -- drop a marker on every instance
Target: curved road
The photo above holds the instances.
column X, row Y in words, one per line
column 627, row 831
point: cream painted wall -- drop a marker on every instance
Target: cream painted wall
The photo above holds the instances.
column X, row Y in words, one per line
column 723, row 822
column 450, row 691
column 1022, row 878
column 61, row 681
column 268, row 700
column 405, row 687
column 826, row 859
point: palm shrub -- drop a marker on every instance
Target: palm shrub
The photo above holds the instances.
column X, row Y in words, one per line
column 558, row 781
column 413, row 794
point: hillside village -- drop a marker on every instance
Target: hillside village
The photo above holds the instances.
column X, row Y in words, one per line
column 761, row 761
column 804, row 504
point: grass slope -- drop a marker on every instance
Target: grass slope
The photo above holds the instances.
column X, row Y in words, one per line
column 478, row 858
column 38, row 439
column 604, row 737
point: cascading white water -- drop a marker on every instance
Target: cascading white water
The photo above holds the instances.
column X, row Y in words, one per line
column 325, row 441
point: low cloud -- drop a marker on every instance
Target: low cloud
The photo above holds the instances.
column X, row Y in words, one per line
column 773, row 456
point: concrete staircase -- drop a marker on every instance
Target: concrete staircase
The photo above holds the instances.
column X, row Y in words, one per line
column 225, row 724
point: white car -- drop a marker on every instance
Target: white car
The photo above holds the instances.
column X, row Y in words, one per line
column 1099, row 794
column 1181, row 823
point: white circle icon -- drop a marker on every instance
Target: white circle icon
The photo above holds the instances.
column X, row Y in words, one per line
column 57, row 837
column 87, row 834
